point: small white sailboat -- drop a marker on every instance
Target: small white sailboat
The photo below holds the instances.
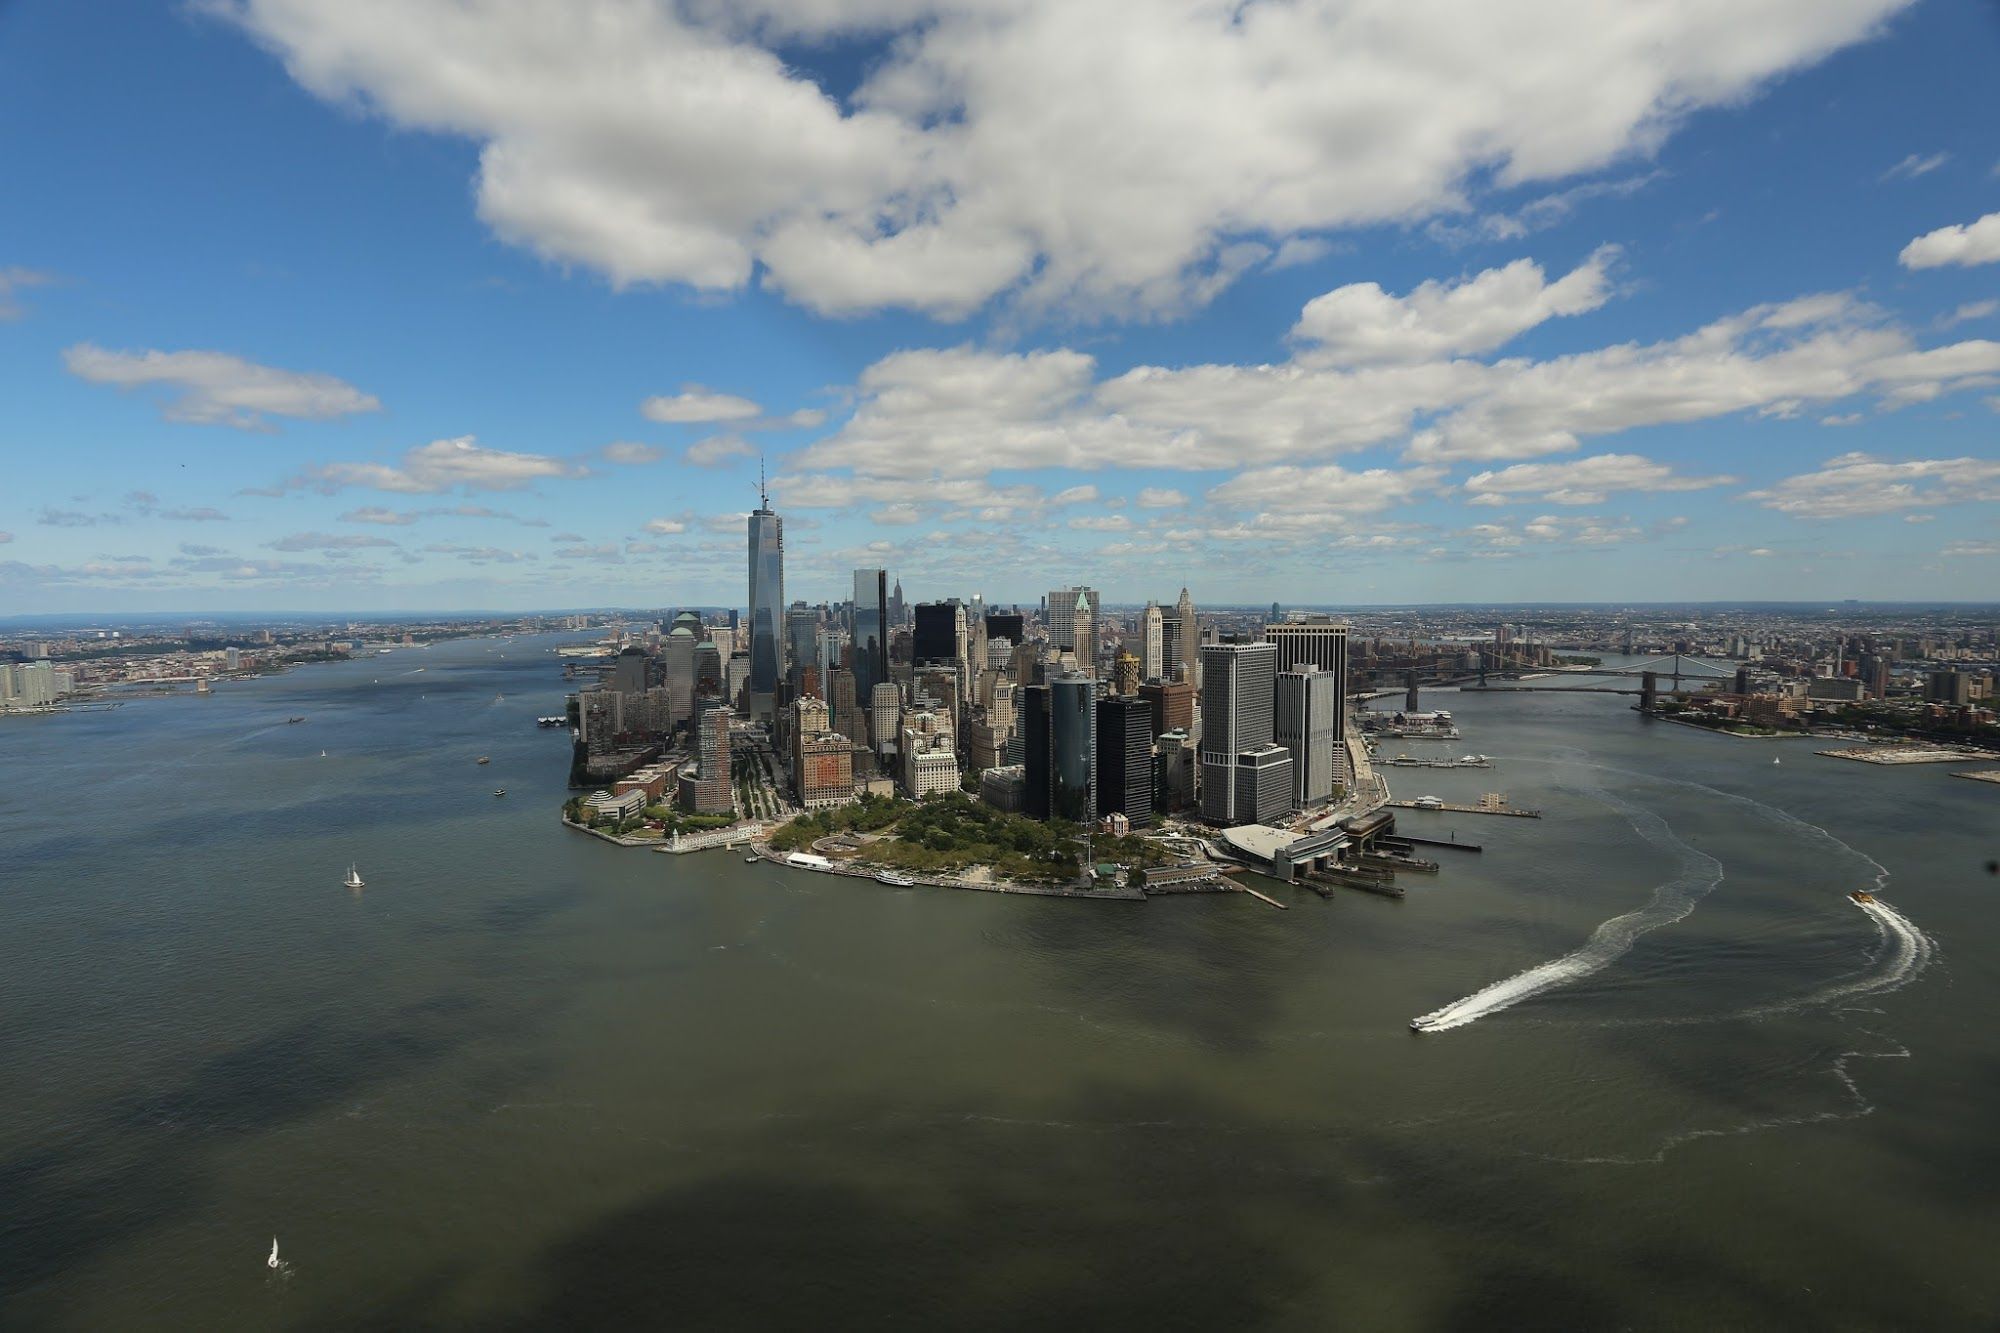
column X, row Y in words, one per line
column 354, row 880
column 272, row 1262
column 1776, row 760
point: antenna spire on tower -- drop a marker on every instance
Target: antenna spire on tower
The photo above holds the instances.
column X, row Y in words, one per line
column 763, row 492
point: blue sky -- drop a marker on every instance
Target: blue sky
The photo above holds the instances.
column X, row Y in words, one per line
column 415, row 305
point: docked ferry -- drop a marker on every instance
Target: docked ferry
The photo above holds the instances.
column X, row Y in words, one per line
column 894, row 880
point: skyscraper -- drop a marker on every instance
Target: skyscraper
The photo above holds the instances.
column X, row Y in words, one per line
column 871, row 630
column 885, row 712
column 678, row 650
column 1034, row 702
column 767, row 605
column 801, row 638
column 1236, row 716
column 1125, row 758
column 1073, row 618
column 1317, row 644
column 629, row 671
column 1010, row 626
column 1152, row 643
column 1189, row 638
column 1307, row 724
column 940, row 632
column 1073, row 749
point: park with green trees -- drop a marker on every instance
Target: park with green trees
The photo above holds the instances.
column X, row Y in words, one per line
column 949, row 832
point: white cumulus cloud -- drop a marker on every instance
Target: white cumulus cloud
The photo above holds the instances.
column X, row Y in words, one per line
column 1360, row 324
column 1856, row 485
column 1121, row 155
column 1970, row 243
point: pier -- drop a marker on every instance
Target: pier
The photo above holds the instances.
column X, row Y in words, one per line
column 1452, row 843
column 1489, row 807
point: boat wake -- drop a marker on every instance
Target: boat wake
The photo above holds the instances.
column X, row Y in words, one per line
column 1671, row 901
column 1904, row 953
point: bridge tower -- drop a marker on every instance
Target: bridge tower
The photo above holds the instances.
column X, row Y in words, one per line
column 1410, row 700
column 1649, row 690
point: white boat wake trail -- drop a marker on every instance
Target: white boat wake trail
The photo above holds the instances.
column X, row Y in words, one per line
column 1904, row 953
column 1673, row 900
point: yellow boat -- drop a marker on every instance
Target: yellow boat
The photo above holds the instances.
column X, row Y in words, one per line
column 1862, row 896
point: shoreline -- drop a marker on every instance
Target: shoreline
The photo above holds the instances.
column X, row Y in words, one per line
column 764, row 853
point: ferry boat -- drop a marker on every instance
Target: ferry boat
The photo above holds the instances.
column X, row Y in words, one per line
column 1862, row 896
column 354, row 880
column 894, row 880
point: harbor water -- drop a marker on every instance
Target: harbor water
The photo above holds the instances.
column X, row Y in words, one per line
column 529, row 1079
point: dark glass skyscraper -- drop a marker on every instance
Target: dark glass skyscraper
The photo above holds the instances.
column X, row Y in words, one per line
column 871, row 630
column 1035, row 751
column 1073, row 749
column 1006, row 625
column 1125, row 758
column 937, row 629
column 767, row 605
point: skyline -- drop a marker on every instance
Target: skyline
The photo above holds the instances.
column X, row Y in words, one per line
column 1737, row 336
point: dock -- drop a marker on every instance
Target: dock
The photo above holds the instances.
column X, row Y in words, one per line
column 1484, row 808
column 1262, row 896
column 1982, row 775
column 1898, row 755
column 1452, row 843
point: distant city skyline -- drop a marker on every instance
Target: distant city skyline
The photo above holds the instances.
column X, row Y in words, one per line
column 1724, row 327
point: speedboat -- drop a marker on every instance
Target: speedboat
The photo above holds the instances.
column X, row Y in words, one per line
column 499, row 791
column 272, row 1262
column 751, row 860
column 1862, row 896
column 1422, row 1024
column 484, row 759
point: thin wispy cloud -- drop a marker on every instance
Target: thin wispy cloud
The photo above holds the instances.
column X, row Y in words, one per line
column 217, row 389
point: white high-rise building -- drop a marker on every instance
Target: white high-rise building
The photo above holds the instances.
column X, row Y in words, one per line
column 1306, row 723
column 1237, row 716
column 1189, row 639
column 1316, row 644
column 885, row 713
column 1152, row 643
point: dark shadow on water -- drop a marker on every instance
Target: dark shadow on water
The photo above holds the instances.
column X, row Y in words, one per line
column 1163, row 1209
column 138, row 1160
column 1194, row 965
